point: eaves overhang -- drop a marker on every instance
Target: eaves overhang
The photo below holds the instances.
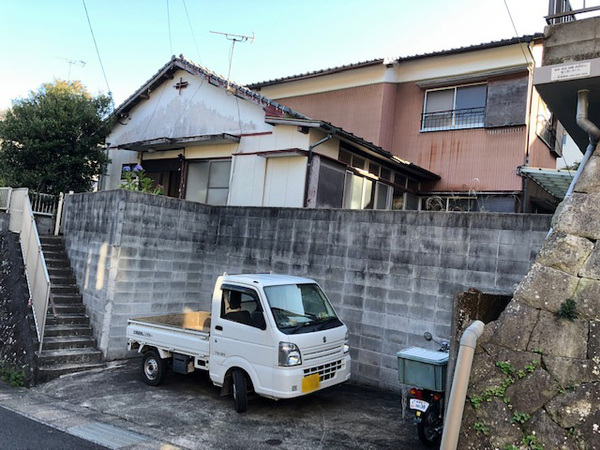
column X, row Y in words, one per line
column 526, row 39
column 165, row 144
column 554, row 181
column 367, row 147
column 558, row 86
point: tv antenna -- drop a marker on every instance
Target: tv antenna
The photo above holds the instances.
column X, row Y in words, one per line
column 234, row 38
column 71, row 63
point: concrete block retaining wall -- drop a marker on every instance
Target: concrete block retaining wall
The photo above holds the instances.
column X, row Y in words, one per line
column 391, row 275
column 4, row 219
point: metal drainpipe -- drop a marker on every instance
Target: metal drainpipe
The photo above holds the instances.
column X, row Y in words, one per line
column 309, row 165
column 592, row 130
column 460, row 382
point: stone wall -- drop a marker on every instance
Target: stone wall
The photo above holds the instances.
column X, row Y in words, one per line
column 391, row 275
column 536, row 375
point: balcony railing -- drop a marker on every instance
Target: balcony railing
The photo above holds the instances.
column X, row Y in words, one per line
column 453, row 119
column 561, row 11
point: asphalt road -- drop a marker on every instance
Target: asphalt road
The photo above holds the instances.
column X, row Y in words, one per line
column 115, row 408
column 20, row 433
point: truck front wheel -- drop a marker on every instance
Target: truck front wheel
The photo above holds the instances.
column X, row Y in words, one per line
column 240, row 393
column 154, row 368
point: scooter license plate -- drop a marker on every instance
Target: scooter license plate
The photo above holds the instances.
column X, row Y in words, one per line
column 419, row 405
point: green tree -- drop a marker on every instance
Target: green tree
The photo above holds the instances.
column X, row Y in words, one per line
column 51, row 141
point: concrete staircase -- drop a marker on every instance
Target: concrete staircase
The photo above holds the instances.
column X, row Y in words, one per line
column 68, row 342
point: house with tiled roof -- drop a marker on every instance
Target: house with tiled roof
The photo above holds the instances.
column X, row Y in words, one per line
column 206, row 139
column 470, row 115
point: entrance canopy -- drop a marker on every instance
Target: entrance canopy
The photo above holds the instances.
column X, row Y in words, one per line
column 554, row 181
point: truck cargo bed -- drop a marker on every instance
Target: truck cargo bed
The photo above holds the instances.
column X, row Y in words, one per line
column 186, row 333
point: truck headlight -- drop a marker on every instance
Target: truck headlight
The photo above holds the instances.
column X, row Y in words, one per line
column 346, row 344
column 289, row 354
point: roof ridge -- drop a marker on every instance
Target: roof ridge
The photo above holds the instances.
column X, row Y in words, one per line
column 181, row 62
column 390, row 60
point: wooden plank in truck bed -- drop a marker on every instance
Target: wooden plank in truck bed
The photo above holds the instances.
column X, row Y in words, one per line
column 193, row 320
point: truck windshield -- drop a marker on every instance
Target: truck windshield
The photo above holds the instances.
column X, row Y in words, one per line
column 300, row 308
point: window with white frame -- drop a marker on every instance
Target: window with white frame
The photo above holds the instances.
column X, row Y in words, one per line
column 369, row 185
column 208, row 181
column 365, row 193
column 455, row 107
column 365, row 188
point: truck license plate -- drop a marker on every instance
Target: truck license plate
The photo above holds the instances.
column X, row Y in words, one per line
column 419, row 405
column 310, row 383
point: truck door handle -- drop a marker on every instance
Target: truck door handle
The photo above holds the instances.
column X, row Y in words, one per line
column 219, row 328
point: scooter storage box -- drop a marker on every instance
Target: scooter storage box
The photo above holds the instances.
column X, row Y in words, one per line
column 423, row 368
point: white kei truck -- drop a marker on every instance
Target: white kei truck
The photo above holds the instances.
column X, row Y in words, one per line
column 275, row 335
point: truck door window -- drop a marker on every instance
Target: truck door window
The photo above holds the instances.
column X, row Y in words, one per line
column 242, row 307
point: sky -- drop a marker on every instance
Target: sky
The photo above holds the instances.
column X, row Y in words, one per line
column 45, row 40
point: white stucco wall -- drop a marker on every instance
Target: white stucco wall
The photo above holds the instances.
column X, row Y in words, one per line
column 201, row 108
column 258, row 177
column 112, row 179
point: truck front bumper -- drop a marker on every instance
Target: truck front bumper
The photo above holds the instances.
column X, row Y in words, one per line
column 295, row 382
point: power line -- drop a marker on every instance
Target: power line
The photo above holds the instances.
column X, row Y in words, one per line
column 192, row 31
column 516, row 32
column 169, row 25
column 97, row 51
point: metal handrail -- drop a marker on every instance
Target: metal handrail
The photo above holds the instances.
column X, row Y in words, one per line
column 561, row 11
column 36, row 272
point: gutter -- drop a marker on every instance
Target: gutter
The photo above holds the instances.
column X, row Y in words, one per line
column 593, row 132
column 309, row 165
column 458, row 394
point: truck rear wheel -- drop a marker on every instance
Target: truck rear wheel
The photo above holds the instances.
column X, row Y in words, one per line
column 153, row 368
column 240, row 393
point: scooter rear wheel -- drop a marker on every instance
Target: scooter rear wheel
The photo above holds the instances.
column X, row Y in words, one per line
column 430, row 428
